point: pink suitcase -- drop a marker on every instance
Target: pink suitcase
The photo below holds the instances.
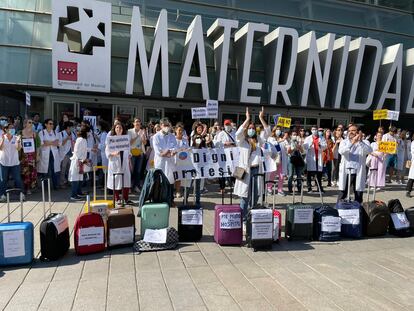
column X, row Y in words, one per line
column 228, row 223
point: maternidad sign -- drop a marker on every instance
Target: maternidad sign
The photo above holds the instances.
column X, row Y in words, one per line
column 361, row 73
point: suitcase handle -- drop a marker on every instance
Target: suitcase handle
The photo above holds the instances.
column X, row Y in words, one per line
column 104, row 169
column 274, row 183
column 122, row 187
column 375, row 186
column 231, row 192
column 8, row 202
column 263, row 196
column 349, row 184
column 301, row 190
column 319, row 188
column 193, row 175
column 44, row 197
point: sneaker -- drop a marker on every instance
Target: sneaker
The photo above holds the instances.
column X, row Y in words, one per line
column 378, row 189
column 77, row 198
column 119, row 203
column 269, row 191
column 129, row 202
column 204, row 191
column 3, row 199
column 309, row 190
column 282, row 194
column 177, row 195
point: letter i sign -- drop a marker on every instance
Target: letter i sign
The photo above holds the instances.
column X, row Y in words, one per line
column 67, row 71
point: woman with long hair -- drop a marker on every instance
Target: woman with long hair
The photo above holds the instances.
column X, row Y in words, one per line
column 28, row 159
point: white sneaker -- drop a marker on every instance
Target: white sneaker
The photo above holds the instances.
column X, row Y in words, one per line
column 378, row 189
column 177, row 195
column 3, row 199
column 282, row 194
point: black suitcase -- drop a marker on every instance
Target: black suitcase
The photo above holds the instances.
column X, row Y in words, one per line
column 326, row 221
column 54, row 230
column 409, row 212
column 376, row 216
column 259, row 222
column 190, row 219
column 399, row 224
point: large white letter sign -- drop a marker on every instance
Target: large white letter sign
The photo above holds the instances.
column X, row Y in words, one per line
column 364, row 61
column 221, row 50
column 311, row 53
column 160, row 46
column 390, row 70
column 408, row 85
column 194, row 40
column 280, row 72
column 243, row 40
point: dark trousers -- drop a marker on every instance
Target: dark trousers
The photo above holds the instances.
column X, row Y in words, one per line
column 6, row 171
column 51, row 172
column 344, row 193
column 328, row 171
column 136, row 170
column 410, row 185
column 310, row 175
column 76, row 188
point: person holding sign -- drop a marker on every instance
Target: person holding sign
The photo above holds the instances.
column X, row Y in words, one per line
column 10, row 145
column 354, row 152
column 250, row 161
column 410, row 174
column 402, row 155
column 119, row 162
column 138, row 142
column 29, row 156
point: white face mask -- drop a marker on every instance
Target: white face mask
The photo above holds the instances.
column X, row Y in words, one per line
column 294, row 137
column 166, row 130
column 314, row 132
column 407, row 136
column 228, row 128
column 278, row 132
column 251, row 132
column 198, row 141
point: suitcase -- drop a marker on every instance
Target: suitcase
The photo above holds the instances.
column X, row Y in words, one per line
column 16, row 238
column 154, row 216
column 351, row 214
column 190, row 219
column 228, row 221
column 376, row 216
column 101, row 207
column 399, row 224
column 326, row 221
column 54, row 230
column 89, row 232
column 259, row 222
column 299, row 219
column 409, row 212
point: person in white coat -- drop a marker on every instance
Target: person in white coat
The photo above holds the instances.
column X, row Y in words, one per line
column 49, row 162
column 411, row 173
column 164, row 145
column 402, row 156
column 354, row 152
column 68, row 139
column 314, row 145
column 251, row 160
column 77, row 163
column 280, row 141
column 119, row 162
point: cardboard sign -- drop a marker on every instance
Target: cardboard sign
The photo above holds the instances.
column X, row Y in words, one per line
column 199, row 113
column 91, row 236
column 303, row 216
column 284, row 122
column 331, row 224
column 262, row 231
column 349, row 216
column 192, row 217
column 28, row 145
column 118, row 143
column 119, row 236
column 230, row 220
column 393, row 115
column 387, row 147
column 212, row 108
column 92, row 120
column 155, row 236
column 13, row 243
column 380, row 114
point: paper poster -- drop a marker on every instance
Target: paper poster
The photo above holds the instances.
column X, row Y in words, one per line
column 276, row 118
column 61, row 223
column 349, row 216
column 230, row 220
column 28, row 145
column 380, row 114
column 284, row 122
column 393, row 115
column 199, row 113
column 92, row 120
column 91, row 236
column 118, row 143
column 158, row 236
column 303, row 216
column 101, row 209
column 400, row 220
column 331, row 224
column 192, row 217
column 212, row 108
column 261, row 231
column 28, row 99
column 388, row 147
column 13, row 243
column 261, row 215
column 123, row 235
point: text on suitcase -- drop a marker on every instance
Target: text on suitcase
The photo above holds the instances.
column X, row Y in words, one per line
column 91, row 236
column 230, row 220
column 13, row 243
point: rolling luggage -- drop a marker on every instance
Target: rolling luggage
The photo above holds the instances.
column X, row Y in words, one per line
column 376, row 216
column 190, row 219
column 409, row 212
column 259, row 222
column 277, row 216
column 228, row 222
column 89, row 232
column 399, row 224
column 326, row 222
column 54, row 230
column 16, row 238
column 101, row 207
column 351, row 214
column 299, row 219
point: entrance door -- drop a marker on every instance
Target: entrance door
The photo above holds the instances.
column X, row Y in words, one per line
column 101, row 111
column 180, row 115
column 61, row 108
column 125, row 113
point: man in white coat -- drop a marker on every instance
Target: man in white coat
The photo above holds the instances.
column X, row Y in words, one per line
column 314, row 145
column 411, row 173
column 354, row 152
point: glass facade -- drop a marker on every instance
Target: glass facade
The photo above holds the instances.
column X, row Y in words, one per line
column 25, row 40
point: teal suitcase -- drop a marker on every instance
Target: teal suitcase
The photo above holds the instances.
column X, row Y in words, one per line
column 154, row 216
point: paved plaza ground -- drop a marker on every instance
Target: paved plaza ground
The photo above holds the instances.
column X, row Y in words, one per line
column 368, row 274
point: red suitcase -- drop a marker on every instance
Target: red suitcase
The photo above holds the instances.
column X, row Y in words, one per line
column 89, row 233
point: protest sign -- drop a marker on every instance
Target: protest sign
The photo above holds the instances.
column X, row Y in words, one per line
column 393, row 115
column 92, row 120
column 118, row 143
column 380, row 114
column 284, row 122
column 28, row 145
column 212, row 108
column 199, row 113
column 387, row 147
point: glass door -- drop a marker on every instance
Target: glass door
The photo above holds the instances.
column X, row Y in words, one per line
column 125, row 113
column 61, row 108
column 101, row 111
column 153, row 114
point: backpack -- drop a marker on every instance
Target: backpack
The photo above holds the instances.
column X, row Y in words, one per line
column 156, row 188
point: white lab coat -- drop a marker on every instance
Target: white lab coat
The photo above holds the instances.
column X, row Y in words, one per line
column 411, row 173
column 79, row 153
column 161, row 143
column 43, row 164
column 362, row 149
column 115, row 166
column 91, row 140
column 310, row 154
column 241, row 187
column 64, row 149
column 402, row 156
column 284, row 159
column 223, row 137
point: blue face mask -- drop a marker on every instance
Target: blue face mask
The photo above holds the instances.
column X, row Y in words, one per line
column 3, row 122
column 12, row 132
column 251, row 132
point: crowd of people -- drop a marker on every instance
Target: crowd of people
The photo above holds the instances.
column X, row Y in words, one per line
column 67, row 151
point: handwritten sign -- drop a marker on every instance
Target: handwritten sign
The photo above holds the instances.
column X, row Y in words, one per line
column 380, row 114
column 212, row 109
column 284, row 122
column 230, row 220
column 393, row 115
column 388, row 147
column 199, row 113
column 118, row 143
column 92, row 120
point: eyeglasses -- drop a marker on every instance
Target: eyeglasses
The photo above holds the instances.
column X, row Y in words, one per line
column 29, row 122
column 50, row 123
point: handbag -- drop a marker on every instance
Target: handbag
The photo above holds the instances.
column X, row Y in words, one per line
column 239, row 173
column 296, row 159
column 136, row 152
column 408, row 164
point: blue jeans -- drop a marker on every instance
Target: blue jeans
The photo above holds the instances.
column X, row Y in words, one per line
column 245, row 203
column 6, row 171
column 294, row 170
column 76, row 188
column 51, row 172
column 136, row 170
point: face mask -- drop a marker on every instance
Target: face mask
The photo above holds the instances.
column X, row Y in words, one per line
column 198, row 141
column 407, row 136
column 251, row 132
column 228, row 128
column 78, row 128
column 12, row 132
column 320, row 133
column 278, row 132
column 314, row 132
column 294, row 137
column 166, row 130
column 3, row 122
